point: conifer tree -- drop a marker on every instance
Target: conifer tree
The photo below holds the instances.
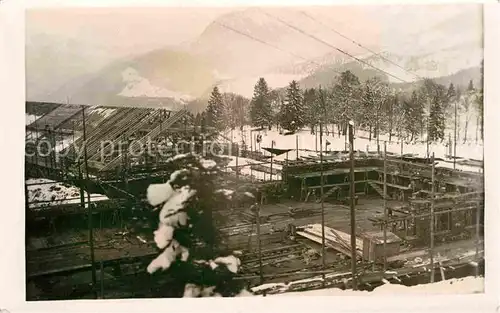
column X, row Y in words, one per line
column 216, row 110
column 375, row 97
column 311, row 107
column 451, row 96
column 434, row 98
column 276, row 101
column 347, row 94
column 391, row 104
column 418, row 113
column 451, row 93
column 187, row 237
column 470, row 87
column 292, row 111
column 260, row 106
column 436, row 125
column 413, row 115
column 236, row 107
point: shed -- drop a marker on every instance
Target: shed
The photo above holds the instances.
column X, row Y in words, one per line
column 373, row 245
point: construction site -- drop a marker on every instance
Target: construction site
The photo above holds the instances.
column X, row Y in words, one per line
column 342, row 219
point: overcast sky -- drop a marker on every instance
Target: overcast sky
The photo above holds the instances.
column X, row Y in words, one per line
column 126, row 30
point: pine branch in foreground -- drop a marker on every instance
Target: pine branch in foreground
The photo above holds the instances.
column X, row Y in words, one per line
column 187, row 237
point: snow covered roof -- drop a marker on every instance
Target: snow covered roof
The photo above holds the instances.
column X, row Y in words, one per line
column 44, row 192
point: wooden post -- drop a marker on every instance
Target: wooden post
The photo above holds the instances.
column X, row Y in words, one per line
column 455, row 139
column 261, row 274
column 297, row 145
column 237, row 153
column 401, row 147
column 91, row 227
column 385, row 207
column 102, row 280
column 431, row 250
column 260, row 141
column 353, row 211
column 316, row 139
column 251, row 142
column 323, row 256
column 26, row 208
column 427, row 143
column 478, row 218
column 441, row 268
column 36, row 142
column 272, row 147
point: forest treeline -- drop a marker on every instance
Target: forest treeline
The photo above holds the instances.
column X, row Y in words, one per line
column 373, row 105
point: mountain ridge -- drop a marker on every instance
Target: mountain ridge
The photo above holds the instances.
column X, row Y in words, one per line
column 174, row 75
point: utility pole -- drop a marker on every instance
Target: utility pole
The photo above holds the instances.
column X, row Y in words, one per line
column 286, row 166
column 401, row 139
column 427, row 144
column 259, row 246
column 345, row 135
column 297, row 145
column 385, row 206
column 316, row 139
column 455, row 139
column 478, row 219
column 272, row 154
column 432, row 219
column 322, row 201
column 236, row 154
column 91, row 227
column 237, row 168
column 251, row 141
column 353, row 211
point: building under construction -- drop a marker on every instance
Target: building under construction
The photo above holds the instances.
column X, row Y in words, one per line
column 344, row 219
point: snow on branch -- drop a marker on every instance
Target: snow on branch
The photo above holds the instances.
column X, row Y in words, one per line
column 168, row 256
column 179, row 226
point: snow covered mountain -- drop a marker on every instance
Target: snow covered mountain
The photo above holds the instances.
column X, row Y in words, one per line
column 441, row 50
column 254, row 41
column 166, row 77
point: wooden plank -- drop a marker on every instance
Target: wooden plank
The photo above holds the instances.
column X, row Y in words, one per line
column 338, row 171
column 336, row 239
column 336, row 185
column 392, row 185
column 56, row 117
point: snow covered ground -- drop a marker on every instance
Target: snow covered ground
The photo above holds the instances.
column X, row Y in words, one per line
column 466, row 285
column 44, row 192
column 245, row 168
column 308, row 144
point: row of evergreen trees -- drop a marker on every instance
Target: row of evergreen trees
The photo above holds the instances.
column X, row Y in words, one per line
column 373, row 105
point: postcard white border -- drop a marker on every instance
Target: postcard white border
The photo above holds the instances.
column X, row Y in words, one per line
column 12, row 259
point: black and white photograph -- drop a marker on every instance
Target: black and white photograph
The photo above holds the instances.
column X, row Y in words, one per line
column 254, row 151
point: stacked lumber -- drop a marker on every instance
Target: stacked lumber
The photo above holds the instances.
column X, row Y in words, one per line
column 334, row 239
